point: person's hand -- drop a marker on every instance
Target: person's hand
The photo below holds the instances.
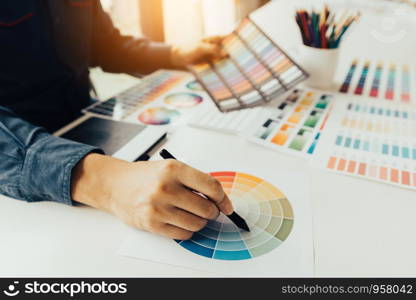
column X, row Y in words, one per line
column 207, row 50
column 152, row 196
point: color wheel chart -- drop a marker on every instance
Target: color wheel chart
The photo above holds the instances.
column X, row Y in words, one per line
column 381, row 80
column 256, row 71
column 296, row 126
column 264, row 207
column 195, row 86
column 137, row 97
column 159, row 99
column 158, row 116
column 183, row 100
column 372, row 140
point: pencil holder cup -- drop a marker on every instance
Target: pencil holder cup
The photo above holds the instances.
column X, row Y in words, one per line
column 321, row 64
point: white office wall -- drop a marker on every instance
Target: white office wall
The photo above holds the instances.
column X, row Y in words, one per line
column 182, row 21
column 219, row 16
column 187, row 21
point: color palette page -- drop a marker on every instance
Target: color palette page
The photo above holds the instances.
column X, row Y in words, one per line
column 162, row 98
column 371, row 140
column 279, row 243
column 381, row 80
column 236, row 122
column 296, row 125
column 255, row 72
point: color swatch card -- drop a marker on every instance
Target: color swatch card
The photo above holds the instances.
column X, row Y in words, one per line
column 159, row 99
column 381, row 80
column 372, row 140
column 255, row 72
column 296, row 125
column 279, row 243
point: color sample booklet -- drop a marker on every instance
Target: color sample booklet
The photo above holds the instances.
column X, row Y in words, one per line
column 256, row 71
column 277, row 209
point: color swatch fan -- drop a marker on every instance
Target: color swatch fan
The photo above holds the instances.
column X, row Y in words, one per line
column 256, row 71
column 266, row 210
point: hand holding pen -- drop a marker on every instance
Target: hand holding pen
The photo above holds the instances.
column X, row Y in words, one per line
column 238, row 221
column 155, row 196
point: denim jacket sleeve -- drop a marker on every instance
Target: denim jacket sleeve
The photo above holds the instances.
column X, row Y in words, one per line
column 35, row 165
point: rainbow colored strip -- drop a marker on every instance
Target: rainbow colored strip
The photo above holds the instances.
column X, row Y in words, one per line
column 390, row 83
column 346, row 85
column 360, row 87
column 405, row 97
column 376, row 83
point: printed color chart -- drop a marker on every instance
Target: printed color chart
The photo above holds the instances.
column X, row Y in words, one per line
column 373, row 140
column 387, row 81
column 256, row 71
column 159, row 99
column 264, row 207
column 147, row 91
column 234, row 122
column 297, row 124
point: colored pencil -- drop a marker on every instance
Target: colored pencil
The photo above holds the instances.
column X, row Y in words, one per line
column 324, row 29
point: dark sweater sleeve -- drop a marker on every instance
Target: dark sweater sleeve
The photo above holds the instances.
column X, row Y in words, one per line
column 34, row 165
column 116, row 53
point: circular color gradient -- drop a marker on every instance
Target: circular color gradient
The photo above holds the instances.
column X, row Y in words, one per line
column 266, row 210
column 158, row 116
column 183, row 100
column 195, row 86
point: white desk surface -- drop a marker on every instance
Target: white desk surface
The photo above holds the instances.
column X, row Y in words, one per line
column 361, row 228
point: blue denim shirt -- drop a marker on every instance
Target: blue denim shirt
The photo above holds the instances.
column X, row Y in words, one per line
column 47, row 48
column 34, row 165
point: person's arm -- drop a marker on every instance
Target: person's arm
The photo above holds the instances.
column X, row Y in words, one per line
column 34, row 165
column 124, row 54
column 153, row 196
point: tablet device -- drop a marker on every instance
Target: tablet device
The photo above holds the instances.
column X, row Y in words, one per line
column 121, row 140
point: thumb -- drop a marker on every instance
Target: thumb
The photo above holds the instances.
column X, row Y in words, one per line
column 226, row 206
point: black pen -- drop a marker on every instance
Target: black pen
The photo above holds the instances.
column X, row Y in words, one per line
column 238, row 221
